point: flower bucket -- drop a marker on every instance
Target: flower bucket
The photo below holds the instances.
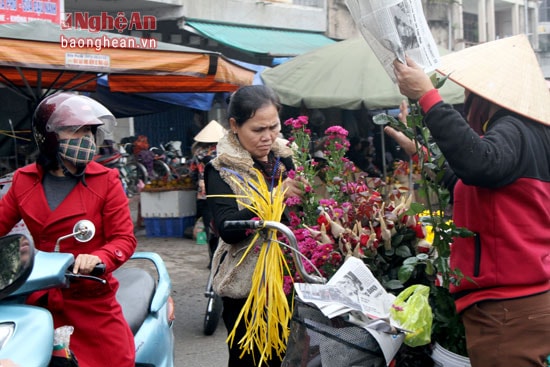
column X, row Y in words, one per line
column 445, row 358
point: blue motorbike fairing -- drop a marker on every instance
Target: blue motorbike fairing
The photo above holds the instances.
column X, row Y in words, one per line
column 154, row 341
column 32, row 340
column 48, row 272
column 164, row 286
column 155, row 335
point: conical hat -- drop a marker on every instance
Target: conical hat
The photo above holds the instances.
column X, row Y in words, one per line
column 505, row 72
column 211, row 133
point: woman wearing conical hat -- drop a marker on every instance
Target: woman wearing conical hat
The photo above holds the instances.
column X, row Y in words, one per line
column 204, row 149
column 500, row 155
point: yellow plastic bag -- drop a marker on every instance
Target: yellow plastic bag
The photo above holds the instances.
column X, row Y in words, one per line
column 413, row 312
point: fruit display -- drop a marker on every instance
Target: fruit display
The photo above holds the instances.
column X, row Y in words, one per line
column 169, row 184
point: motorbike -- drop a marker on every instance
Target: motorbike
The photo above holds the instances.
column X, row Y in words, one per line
column 27, row 332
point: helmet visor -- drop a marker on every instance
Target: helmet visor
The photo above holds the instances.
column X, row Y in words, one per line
column 76, row 112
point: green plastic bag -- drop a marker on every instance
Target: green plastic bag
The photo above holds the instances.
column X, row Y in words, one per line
column 412, row 310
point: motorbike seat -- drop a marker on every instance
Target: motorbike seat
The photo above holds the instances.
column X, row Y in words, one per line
column 134, row 294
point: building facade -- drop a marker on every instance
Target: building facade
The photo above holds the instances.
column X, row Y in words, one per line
column 262, row 32
column 222, row 25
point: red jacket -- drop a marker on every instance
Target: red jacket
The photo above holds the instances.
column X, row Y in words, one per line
column 502, row 196
column 102, row 336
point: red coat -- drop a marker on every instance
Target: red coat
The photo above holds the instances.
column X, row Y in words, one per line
column 102, row 336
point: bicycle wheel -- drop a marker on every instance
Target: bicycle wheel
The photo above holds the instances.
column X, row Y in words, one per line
column 213, row 313
column 161, row 169
column 132, row 173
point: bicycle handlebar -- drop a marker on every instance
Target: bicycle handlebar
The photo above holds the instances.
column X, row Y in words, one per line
column 287, row 232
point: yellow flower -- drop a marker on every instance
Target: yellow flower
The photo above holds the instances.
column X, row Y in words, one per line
column 429, row 234
column 266, row 312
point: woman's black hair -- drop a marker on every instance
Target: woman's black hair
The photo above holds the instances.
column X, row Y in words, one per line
column 248, row 99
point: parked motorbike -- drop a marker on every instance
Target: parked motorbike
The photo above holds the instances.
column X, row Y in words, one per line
column 27, row 332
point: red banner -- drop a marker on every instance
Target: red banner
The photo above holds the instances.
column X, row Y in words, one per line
column 21, row 11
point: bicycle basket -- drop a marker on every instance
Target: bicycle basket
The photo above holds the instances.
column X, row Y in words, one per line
column 316, row 341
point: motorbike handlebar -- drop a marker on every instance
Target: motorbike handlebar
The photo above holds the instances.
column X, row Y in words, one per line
column 98, row 270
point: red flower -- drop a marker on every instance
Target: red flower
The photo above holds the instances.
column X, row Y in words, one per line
column 363, row 239
column 322, row 220
column 418, row 231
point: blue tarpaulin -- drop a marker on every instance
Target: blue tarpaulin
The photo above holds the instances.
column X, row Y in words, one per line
column 138, row 104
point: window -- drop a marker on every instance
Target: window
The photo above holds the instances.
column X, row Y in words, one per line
column 544, row 11
column 471, row 34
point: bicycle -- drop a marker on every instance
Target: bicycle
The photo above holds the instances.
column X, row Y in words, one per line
column 214, row 304
column 169, row 164
column 314, row 339
column 131, row 171
column 214, row 308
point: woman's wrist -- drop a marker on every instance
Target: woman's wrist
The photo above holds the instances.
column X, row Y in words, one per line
column 429, row 99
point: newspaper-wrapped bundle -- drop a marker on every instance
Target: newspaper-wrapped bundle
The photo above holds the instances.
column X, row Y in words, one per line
column 393, row 28
column 355, row 294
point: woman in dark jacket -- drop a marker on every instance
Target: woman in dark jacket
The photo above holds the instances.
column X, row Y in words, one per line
column 501, row 158
column 252, row 141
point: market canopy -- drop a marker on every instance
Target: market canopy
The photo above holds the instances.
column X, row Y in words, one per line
column 37, row 55
column 265, row 41
column 136, row 104
column 344, row 75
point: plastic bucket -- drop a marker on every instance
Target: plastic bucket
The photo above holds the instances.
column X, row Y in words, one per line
column 444, row 358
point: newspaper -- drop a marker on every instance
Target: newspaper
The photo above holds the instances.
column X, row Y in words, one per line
column 395, row 28
column 355, row 294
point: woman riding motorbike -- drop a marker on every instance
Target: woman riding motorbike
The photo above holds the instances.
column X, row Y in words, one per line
column 51, row 195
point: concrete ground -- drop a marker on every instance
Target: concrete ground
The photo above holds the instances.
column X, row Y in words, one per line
column 187, row 265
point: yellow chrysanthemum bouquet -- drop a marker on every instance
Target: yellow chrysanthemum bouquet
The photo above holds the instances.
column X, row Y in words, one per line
column 267, row 312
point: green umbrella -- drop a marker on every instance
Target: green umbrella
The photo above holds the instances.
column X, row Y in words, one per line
column 344, row 75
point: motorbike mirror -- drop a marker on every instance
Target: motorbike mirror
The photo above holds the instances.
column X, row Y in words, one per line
column 16, row 261
column 84, row 230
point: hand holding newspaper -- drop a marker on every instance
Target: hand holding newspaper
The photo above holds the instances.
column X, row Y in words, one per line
column 395, row 28
column 355, row 294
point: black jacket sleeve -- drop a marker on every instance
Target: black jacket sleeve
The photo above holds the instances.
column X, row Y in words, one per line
column 223, row 209
column 493, row 160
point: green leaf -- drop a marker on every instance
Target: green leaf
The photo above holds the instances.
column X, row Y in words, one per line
column 422, row 257
column 393, row 284
column 441, row 81
column 405, row 273
column 396, row 240
column 382, row 119
column 411, row 261
column 464, row 232
column 430, row 270
column 403, row 251
column 416, row 208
